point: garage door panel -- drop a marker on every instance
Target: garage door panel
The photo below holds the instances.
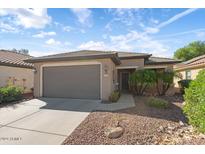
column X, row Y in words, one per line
column 81, row 82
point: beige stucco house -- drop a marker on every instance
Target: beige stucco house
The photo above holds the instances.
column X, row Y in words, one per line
column 190, row 68
column 14, row 71
column 90, row 74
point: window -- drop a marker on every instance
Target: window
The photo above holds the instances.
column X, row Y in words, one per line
column 188, row 75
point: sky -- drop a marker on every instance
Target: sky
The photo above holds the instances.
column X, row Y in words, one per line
column 50, row 31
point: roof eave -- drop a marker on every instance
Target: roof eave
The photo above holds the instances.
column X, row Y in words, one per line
column 159, row 63
column 114, row 58
column 135, row 57
column 15, row 65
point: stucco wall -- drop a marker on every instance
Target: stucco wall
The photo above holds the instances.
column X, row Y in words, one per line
column 132, row 62
column 194, row 73
column 107, row 79
column 22, row 77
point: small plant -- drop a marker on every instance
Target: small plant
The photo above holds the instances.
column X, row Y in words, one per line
column 194, row 107
column 157, row 103
column 115, row 95
column 10, row 93
column 184, row 84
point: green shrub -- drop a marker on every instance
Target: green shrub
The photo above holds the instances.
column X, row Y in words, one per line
column 184, row 84
column 157, row 103
column 194, row 107
column 115, row 95
column 140, row 80
column 164, row 80
column 10, row 93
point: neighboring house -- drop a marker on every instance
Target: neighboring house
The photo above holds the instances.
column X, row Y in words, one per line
column 190, row 68
column 89, row 74
column 14, row 71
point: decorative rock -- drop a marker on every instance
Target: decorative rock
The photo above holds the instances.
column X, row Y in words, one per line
column 181, row 123
column 202, row 136
column 117, row 124
column 181, row 135
column 114, row 132
column 169, row 132
column 161, row 129
column 171, row 128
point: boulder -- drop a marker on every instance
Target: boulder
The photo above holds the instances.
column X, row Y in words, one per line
column 114, row 132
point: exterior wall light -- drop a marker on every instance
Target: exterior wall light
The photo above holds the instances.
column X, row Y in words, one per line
column 34, row 70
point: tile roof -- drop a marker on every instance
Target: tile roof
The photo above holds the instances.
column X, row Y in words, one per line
column 161, row 60
column 78, row 55
column 132, row 54
column 195, row 62
column 10, row 58
column 85, row 54
column 75, row 54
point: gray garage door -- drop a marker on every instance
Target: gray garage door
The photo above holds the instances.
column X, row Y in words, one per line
column 81, row 82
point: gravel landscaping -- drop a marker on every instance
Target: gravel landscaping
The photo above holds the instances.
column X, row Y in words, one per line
column 141, row 124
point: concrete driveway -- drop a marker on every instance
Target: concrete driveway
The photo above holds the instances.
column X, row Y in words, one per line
column 42, row 121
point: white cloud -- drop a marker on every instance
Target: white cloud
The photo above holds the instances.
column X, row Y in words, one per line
column 151, row 30
column 200, row 34
column 140, row 42
column 67, row 43
column 131, row 36
column 126, row 16
column 28, row 18
column 108, row 26
column 92, row 45
column 83, row 31
column 52, row 41
column 157, row 28
column 83, row 15
column 132, row 41
column 67, row 28
column 41, row 53
column 4, row 27
column 123, row 16
column 43, row 34
column 154, row 21
column 176, row 17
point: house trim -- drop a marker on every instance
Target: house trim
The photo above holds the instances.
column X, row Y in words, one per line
column 127, row 67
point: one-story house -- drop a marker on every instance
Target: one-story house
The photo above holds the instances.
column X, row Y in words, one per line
column 189, row 69
column 89, row 74
column 14, row 71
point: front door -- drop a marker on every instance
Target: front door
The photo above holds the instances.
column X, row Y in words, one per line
column 124, row 81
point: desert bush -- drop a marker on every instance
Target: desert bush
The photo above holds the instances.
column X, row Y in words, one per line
column 140, row 80
column 184, row 84
column 164, row 79
column 194, row 107
column 114, row 97
column 157, row 103
column 10, row 93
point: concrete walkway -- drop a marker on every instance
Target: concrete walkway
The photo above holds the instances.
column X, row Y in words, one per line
column 125, row 101
column 46, row 121
column 49, row 120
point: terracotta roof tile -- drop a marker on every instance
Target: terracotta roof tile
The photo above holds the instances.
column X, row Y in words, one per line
column 155, row 60
column 195, row 62
column 10, row 58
